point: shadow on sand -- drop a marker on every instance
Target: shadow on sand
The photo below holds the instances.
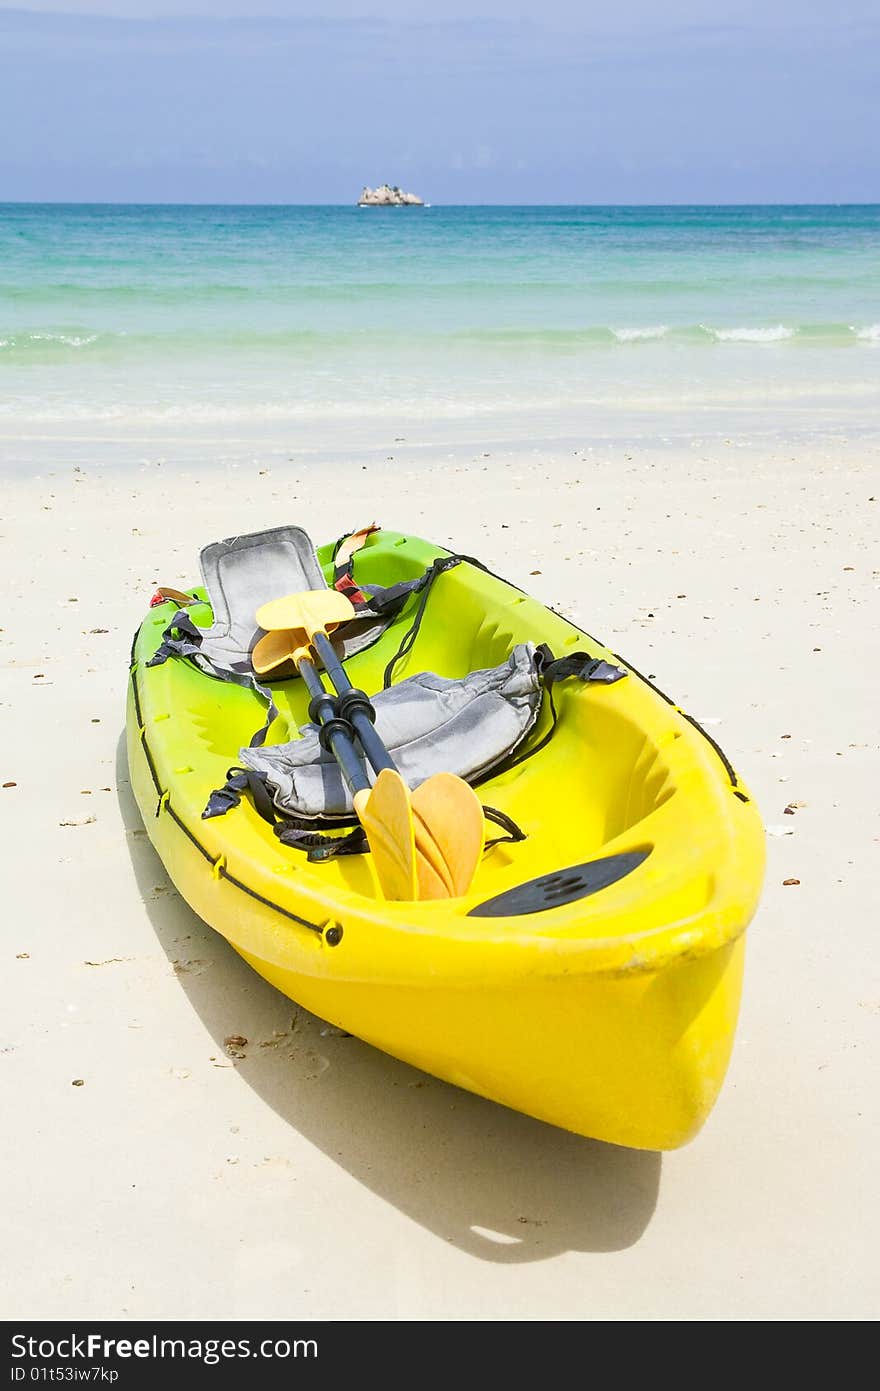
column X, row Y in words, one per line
column 494, row 1183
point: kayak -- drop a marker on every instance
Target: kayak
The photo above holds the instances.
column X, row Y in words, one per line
column 591, row 974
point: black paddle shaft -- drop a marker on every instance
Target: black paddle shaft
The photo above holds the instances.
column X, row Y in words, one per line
column 357, row 709
column 334, row 731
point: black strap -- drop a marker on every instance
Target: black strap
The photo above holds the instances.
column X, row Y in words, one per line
column 425, row 584
column 319, row 848
column 552, row 669
column 514, row 833
column 239, row 780
column 579, row 664
column 190, row 645
column 343, row 569
column 300, row 834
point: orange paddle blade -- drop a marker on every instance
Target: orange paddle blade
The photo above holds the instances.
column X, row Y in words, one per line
column 275, row 648
column 449, row 833
column 292, row 622
column 315, row 611
column 386, row 815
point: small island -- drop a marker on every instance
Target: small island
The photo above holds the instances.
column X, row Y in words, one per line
column 388, row 196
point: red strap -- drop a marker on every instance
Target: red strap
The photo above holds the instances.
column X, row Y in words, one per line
column 344, row 560
column 165, row 593
column 346, row 585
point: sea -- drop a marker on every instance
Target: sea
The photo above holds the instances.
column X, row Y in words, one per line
column 507, row 323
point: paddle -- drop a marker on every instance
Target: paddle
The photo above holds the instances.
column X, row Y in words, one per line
column 445, row 814
column 383, row 809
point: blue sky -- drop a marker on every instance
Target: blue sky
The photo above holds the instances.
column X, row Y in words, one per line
column 496, row 101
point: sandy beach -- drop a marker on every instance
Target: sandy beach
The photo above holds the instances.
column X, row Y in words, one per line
column 148, row 1174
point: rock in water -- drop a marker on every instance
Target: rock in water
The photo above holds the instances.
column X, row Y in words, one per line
column 388, row 196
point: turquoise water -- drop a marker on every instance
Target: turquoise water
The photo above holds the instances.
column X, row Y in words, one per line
column 248, row 314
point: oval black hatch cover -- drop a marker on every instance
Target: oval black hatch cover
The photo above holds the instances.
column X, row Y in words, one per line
column 562, row 886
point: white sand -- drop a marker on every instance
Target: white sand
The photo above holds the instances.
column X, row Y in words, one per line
column 316, row 1177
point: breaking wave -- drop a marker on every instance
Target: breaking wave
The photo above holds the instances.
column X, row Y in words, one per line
column 634, row 335
column 334, row 345
column 777, row 334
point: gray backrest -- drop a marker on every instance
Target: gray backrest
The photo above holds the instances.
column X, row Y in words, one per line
column 244, row 572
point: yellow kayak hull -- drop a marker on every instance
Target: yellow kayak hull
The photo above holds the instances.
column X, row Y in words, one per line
column 612, row 1015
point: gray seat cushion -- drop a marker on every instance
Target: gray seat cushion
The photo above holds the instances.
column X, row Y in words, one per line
column 428, row 723
column 244, row 572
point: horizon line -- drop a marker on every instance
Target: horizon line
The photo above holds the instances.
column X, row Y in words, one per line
column 250, row 203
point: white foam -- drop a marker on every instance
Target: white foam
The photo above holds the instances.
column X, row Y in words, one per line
column 871, row 334
column 72, row 340
column 776, row 334
column 632, row 335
